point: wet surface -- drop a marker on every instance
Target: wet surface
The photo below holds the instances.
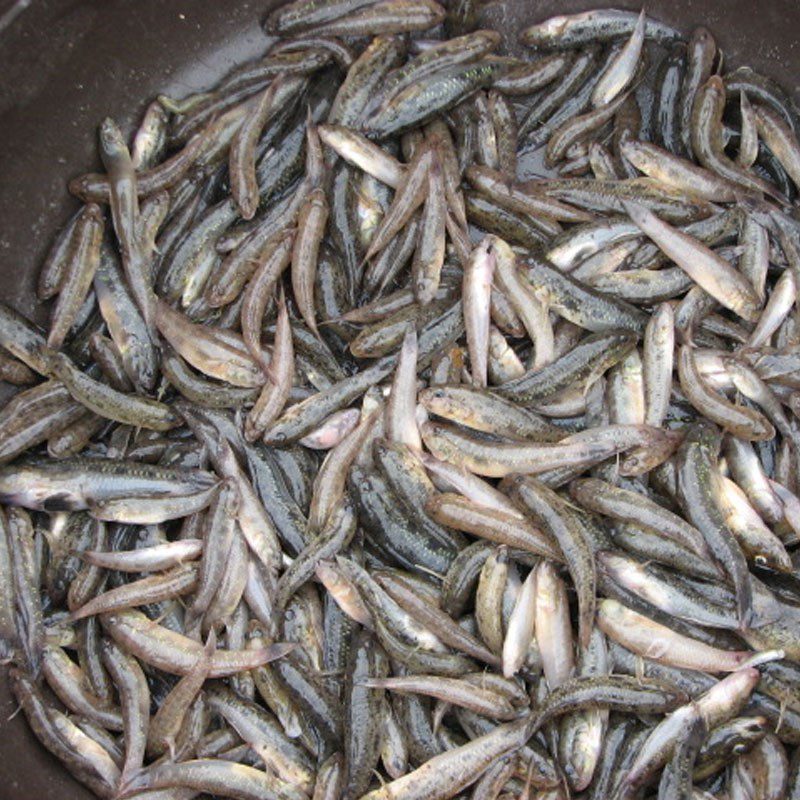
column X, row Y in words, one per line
column 65, row 64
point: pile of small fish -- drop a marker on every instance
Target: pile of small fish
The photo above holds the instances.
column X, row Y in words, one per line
column 493, row 494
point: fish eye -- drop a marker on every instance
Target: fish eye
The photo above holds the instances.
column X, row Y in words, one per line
column 760, row 560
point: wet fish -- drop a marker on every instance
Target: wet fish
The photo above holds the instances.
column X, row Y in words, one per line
column 418, row 420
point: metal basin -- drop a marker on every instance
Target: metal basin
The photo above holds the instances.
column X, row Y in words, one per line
column 65, row 64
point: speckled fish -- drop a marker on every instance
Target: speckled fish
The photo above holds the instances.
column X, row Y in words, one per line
column 492, row 494
column 74, row 484
column 590, row 26
column 421, row 101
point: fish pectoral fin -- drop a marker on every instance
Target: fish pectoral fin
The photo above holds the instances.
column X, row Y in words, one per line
column 655, row 649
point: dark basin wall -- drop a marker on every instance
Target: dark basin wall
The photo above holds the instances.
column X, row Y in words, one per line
column 65, row 64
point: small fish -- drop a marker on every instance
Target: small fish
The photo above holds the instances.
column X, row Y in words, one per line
column 361, row 458
column 588, row 26
column 620, row 72
column 703, row 266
